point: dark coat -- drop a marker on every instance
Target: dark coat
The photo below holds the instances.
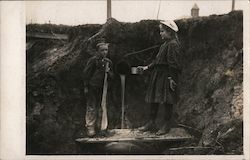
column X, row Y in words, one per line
column 94, row 71
column 166, row 64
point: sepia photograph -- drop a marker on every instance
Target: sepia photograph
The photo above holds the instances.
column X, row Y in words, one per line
column 144, row 77
column 137, row 77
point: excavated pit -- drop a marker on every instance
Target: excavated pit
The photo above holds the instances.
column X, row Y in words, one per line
column 211, row 98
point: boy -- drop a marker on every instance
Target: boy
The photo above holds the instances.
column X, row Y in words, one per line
column 94, row 72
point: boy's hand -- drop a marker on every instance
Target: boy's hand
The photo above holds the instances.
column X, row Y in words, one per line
column 107, row 63
column 107, row 69
column 106, row 60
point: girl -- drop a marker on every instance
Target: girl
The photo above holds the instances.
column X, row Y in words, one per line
column 163, row 82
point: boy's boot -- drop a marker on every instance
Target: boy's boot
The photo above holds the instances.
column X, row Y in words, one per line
column 91, row 131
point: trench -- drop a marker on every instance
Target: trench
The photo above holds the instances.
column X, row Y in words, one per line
column 210, row 105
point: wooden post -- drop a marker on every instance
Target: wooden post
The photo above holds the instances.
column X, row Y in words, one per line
column 109, row 9
column 233, row 4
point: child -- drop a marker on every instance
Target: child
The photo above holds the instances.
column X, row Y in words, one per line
column 163, row 83
column 93, row 85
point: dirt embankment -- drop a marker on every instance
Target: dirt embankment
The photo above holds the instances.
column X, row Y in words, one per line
column 211, row 81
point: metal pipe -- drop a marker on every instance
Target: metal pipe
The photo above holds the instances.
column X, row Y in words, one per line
column 109, row 9
column 233, row 4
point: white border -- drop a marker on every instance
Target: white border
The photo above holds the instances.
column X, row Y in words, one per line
column 12, row 79
column 246, row 81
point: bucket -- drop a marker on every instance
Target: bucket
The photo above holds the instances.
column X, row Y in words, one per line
column 136, row 70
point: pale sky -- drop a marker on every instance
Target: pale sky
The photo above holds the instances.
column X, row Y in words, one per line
column 89, row 12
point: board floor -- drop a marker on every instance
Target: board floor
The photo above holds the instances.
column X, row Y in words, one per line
column 128, row 135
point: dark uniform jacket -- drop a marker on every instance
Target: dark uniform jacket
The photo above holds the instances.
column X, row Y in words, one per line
column 94, row 71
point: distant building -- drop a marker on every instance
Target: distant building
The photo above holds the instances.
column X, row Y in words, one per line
column 195, row 11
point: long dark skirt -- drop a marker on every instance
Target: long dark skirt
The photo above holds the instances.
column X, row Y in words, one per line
column 159, row 90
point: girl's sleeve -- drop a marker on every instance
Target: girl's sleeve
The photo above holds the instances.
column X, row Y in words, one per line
column 173, row 61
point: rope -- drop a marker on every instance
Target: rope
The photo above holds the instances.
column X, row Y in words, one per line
column 146, row 49
column 155, row 46
column 158, row 10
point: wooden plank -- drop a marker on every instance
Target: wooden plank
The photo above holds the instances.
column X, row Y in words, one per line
column 47, row 36
column 148, row 139
column 128, row 135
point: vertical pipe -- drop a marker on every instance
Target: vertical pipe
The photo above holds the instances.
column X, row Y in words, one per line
column 233, row 4
column 108, row 9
